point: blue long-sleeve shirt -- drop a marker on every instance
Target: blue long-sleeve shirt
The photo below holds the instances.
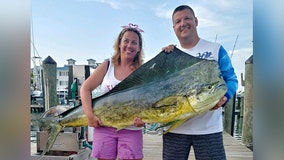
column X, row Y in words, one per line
column 227, row 72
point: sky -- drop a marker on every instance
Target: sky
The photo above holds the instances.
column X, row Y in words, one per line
column 87, row 29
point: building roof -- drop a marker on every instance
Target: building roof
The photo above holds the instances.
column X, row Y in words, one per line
column 71, row 60
column 91, row 59
column 66, row 67
column 48, row 60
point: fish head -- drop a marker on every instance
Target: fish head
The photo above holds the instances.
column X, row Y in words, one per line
column 204, row 97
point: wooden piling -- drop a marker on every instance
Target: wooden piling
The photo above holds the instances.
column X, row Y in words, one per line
column 229, row 116
column 49, row 82
column 248, row 114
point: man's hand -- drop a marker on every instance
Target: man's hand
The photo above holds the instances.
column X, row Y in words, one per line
column 168, row 48
column 220, row 103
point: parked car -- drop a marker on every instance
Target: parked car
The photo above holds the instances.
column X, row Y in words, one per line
column 37, row 97
column 37, row 94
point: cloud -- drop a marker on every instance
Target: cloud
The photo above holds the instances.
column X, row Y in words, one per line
column 113, row 4
column 219, row 4
column 162, row 11
column 207, row 17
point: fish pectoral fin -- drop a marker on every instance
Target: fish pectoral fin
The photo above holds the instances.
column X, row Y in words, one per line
column 166, row 124
column 169, row 101
column 174, row 125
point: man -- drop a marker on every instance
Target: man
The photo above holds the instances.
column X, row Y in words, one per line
column 203, row 132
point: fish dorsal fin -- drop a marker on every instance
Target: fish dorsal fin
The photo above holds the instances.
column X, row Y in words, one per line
column 159, row 66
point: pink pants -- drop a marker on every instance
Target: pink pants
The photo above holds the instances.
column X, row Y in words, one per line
column 123, row 144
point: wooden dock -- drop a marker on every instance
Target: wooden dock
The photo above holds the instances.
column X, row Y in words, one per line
column 234, row 149
column 153, row 148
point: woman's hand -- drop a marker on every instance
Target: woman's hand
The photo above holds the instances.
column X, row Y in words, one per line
column 94, row 121
column 168, row 48
column 137, row 122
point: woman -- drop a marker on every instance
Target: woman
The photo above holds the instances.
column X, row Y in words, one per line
column 109, row 144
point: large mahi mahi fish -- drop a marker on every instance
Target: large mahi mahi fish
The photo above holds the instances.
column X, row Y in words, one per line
column 168, row 89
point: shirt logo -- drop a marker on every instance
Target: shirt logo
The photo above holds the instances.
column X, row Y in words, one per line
column 205, row 55
column 109, row 87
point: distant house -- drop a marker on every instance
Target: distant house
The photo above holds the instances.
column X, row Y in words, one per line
column 92, row 62
column 71, row 61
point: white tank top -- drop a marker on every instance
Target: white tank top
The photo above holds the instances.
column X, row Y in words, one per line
column 109, row 80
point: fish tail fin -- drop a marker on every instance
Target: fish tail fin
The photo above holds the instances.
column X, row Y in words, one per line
column 53, row 128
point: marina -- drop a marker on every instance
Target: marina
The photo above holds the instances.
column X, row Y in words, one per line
column 58, row 83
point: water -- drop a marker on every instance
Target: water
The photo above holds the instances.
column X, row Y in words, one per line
column 238, row 118
column 238, row 128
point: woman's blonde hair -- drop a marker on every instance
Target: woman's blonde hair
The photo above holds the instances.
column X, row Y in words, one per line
column 116, row 58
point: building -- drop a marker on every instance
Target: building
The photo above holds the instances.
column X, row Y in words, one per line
column 92, row 63
column 62, row 76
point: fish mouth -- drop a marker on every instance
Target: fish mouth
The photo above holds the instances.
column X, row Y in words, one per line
column 221, row 86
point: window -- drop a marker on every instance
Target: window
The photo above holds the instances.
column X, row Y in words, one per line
column 63, row 73
column 61, row 83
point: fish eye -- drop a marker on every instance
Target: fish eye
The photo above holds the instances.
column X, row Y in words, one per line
column 209, row 87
